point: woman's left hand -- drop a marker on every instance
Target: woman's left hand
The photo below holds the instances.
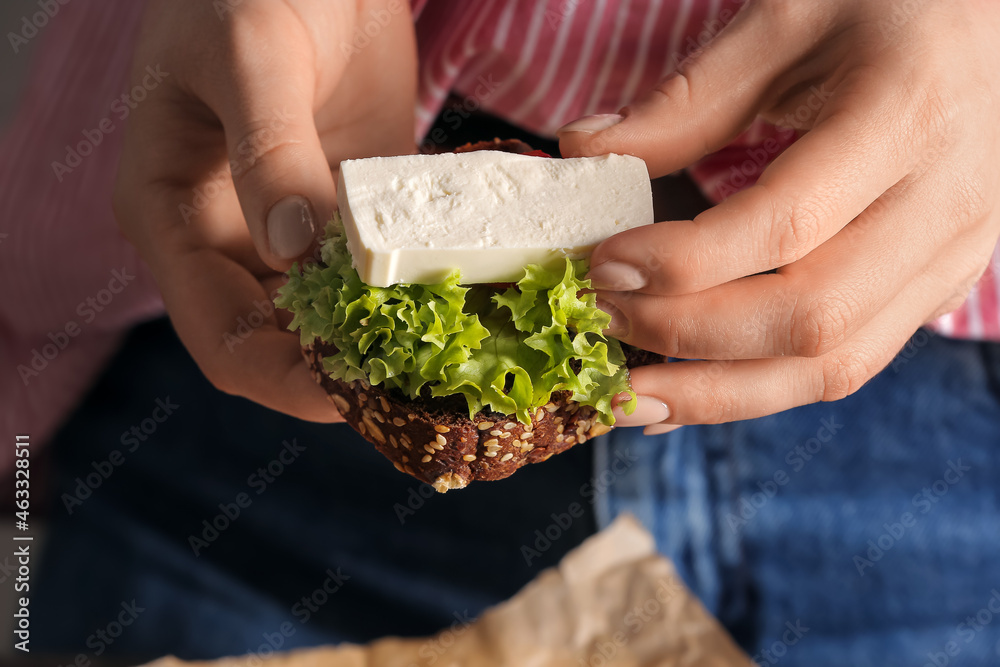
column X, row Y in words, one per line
column 878, row 219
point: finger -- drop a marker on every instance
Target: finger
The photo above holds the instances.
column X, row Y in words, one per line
column 231, row 331
column 810, row 192
column 809, row 307
column 223, row 314
column 708, row 392
column 700, row 107
column 266, row 105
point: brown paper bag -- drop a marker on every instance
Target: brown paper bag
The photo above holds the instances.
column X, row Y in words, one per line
column 612, row 602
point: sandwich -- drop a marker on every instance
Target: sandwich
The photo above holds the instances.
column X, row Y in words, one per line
column 449, row 318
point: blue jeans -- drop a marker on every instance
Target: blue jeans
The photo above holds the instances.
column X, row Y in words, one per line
column 864, row 532
column 190, row 522
column 861, row 532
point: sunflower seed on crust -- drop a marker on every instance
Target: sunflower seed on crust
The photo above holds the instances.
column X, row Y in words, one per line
column 341, row 403
column 598, row 429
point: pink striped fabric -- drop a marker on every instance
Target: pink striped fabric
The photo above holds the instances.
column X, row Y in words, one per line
column 59, row 321
column 537, row 63
column 979, row 316
column 542, row 63
column 547, row 62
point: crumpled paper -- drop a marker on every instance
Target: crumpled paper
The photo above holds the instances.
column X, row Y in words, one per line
column 612, row 602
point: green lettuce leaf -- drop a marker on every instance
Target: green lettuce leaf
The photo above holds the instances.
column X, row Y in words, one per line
column 503, row 351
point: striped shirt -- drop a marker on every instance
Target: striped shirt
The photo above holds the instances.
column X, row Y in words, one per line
column 75, row 286
column 540, row 64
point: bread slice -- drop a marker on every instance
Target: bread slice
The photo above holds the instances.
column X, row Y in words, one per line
column 434, row 440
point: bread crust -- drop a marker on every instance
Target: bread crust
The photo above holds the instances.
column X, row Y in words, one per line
column 435, row 441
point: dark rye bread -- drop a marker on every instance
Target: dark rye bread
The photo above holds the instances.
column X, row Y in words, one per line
column 434, row 440
column 505, row 145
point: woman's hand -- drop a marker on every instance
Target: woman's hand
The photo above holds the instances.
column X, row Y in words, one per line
column 225, row 177
column 880, row 218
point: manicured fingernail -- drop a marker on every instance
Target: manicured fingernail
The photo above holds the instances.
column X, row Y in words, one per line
column 591, row 124
column 648, row 410
column 660, row 429
column 619, row 323
column 616, row 276
column 291, row 227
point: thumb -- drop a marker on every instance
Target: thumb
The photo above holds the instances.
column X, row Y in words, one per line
column 280, row 171
column 698, row 109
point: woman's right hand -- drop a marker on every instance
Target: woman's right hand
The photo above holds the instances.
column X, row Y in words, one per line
column 226, row 174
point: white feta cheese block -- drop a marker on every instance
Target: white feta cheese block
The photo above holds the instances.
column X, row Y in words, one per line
column 417, row 218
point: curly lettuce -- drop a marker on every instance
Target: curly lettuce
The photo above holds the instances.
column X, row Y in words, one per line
column 506, row 351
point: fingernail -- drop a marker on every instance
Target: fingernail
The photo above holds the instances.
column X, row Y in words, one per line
column 616, row 276
column 660, row 429
column 290, row 227
column 591, row 124
column 619, row 323
column 648, row 410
